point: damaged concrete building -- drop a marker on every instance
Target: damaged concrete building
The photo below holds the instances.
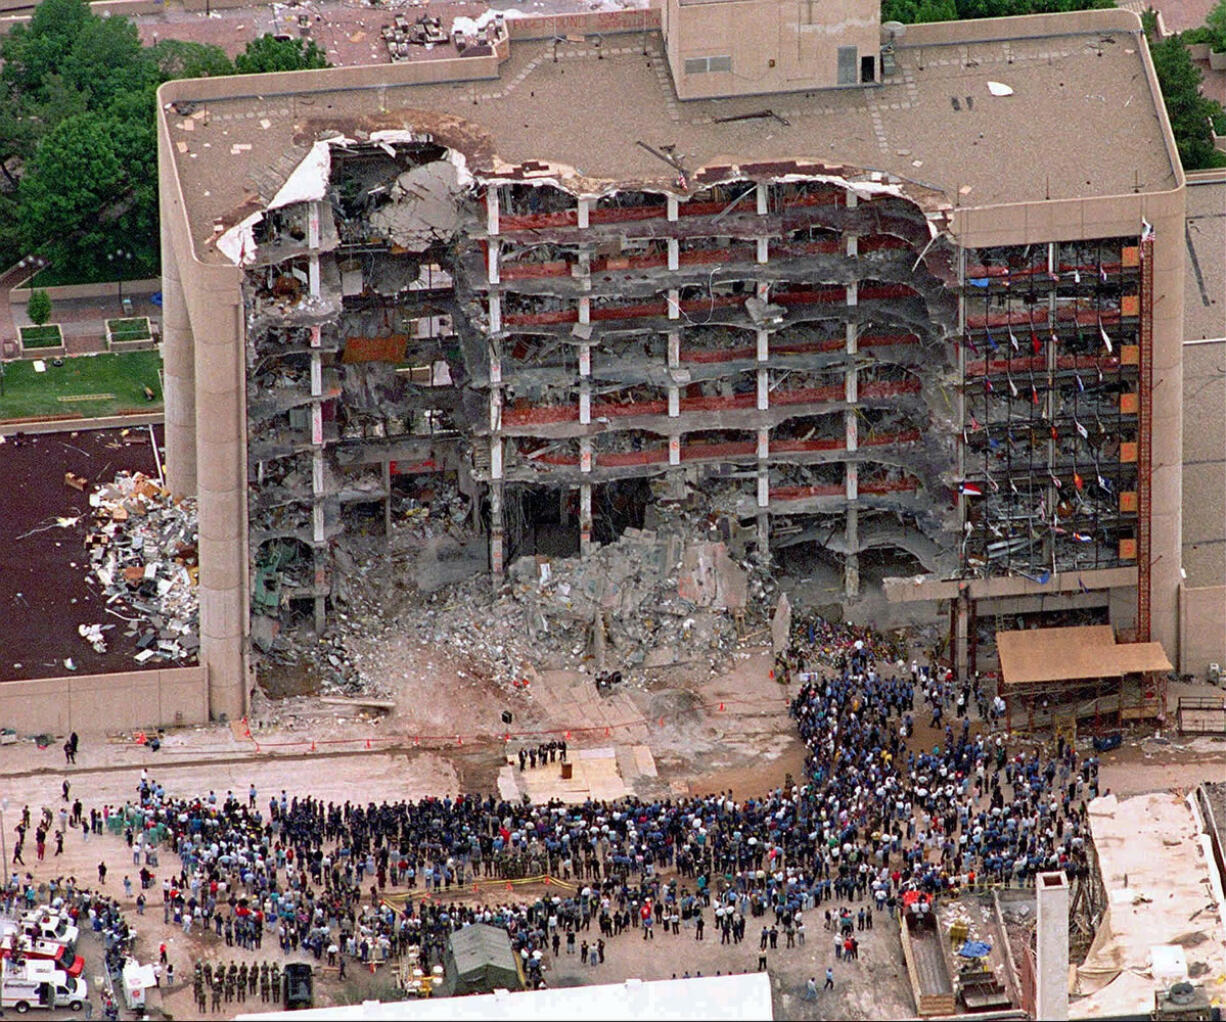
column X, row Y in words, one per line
column 887, row 301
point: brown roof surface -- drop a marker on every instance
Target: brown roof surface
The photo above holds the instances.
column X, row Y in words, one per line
column 1073, row 654
column 1204, row 282
column 1081, row 122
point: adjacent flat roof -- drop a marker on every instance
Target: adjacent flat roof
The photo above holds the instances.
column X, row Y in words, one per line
column 1073, row 654
column 1081, row 120
column 1204, row 282
column 1204, row 461
column 745, row 997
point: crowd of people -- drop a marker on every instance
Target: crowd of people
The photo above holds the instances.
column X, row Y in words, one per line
column 876, row 814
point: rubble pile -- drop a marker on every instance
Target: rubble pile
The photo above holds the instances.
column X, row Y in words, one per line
column 142, row 550
column 650, row 600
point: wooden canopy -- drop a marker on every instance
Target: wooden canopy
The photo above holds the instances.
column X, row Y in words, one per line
column 1073, row 654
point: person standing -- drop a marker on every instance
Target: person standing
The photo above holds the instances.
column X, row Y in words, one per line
column 829, row 984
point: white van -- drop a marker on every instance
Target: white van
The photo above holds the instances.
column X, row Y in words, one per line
column 38, row 984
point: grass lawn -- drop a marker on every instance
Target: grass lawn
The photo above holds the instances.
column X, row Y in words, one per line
column 90, row 385
column 41, row 336
column 134, row 329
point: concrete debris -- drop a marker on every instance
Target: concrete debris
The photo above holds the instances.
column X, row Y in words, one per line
column 649, row 601
column 93, row 635
column 143, row 553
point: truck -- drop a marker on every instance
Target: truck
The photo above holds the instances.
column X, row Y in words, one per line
column 15, row 947
column 51, row 925
column 39, row 984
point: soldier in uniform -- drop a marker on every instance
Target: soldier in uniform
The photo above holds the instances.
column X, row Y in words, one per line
column 274, row 981
column 241, row 988
column 252, row 978
column 265, row 985
column 217, row 986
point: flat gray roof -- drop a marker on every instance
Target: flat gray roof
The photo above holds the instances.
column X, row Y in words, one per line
column 1081, row 121
column 1204, row 285
column 1204, row 462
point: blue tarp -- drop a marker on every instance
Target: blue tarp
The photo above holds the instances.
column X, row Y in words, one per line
column 975, row 949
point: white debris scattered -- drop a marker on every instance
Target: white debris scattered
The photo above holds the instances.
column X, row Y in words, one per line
column 999, row 89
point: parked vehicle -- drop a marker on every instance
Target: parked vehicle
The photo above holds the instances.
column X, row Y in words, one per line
column 14, row 947
column 39, row 984
column 298, row 985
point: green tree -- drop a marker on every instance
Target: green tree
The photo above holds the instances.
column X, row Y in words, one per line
column 74, row 194
column 268, row 53
column 38, row 308
column 177, row 58
column 1189, row 112
column 1215, row 22
column 34, row 51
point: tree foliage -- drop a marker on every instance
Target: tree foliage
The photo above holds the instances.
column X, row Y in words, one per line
column 38, row 308
column 268, row 53
column 910, row 11
column 1189, row 112
column 177, row 58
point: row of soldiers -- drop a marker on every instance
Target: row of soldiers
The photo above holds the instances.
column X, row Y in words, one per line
column 235, row 982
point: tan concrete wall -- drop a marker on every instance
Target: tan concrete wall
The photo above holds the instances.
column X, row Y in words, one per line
column 104, row 290
column 546, row 26
column 773, row 46
column 1203, row 623
column 206, row 353
column 106, row 702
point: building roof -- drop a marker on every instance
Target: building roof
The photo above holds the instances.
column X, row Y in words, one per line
column 1204, row 281
column 1161, row 890
column 1081, row 120
column 1073, row 654
column 745, row 997
column 1204, row 462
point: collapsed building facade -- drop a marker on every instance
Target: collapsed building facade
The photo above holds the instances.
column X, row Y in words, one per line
column 756, row 308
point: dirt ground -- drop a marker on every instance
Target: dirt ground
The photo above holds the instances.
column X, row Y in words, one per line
column 727, row 733
column 44, row 594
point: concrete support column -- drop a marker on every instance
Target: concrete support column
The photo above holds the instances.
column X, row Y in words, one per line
column 495, row 314
column 1051, row 944
column 585, row 309
column 851, row 563
column 672, row 209
column 764, row 399
column 585, row 403
column 179, row 379
column 761, row 194
column 674, row 254
column 492, row 257
column 674, row 450
column 853, row 294
column 674, row 303
column 585, row 210
column 313, row 274
column 853, row 245
column 220, row 374
column 585, row 360
column 851, row 481
column 497, row 531
column 762, row 249
column 387, row 497
column 585, row 454
column 674, row 402
column 764, row 345
column 853, row 200
column 585, row 519
column 674, row 350
column 763, row 518
column 491, row 211
column 313, row 244
column 961, row 642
